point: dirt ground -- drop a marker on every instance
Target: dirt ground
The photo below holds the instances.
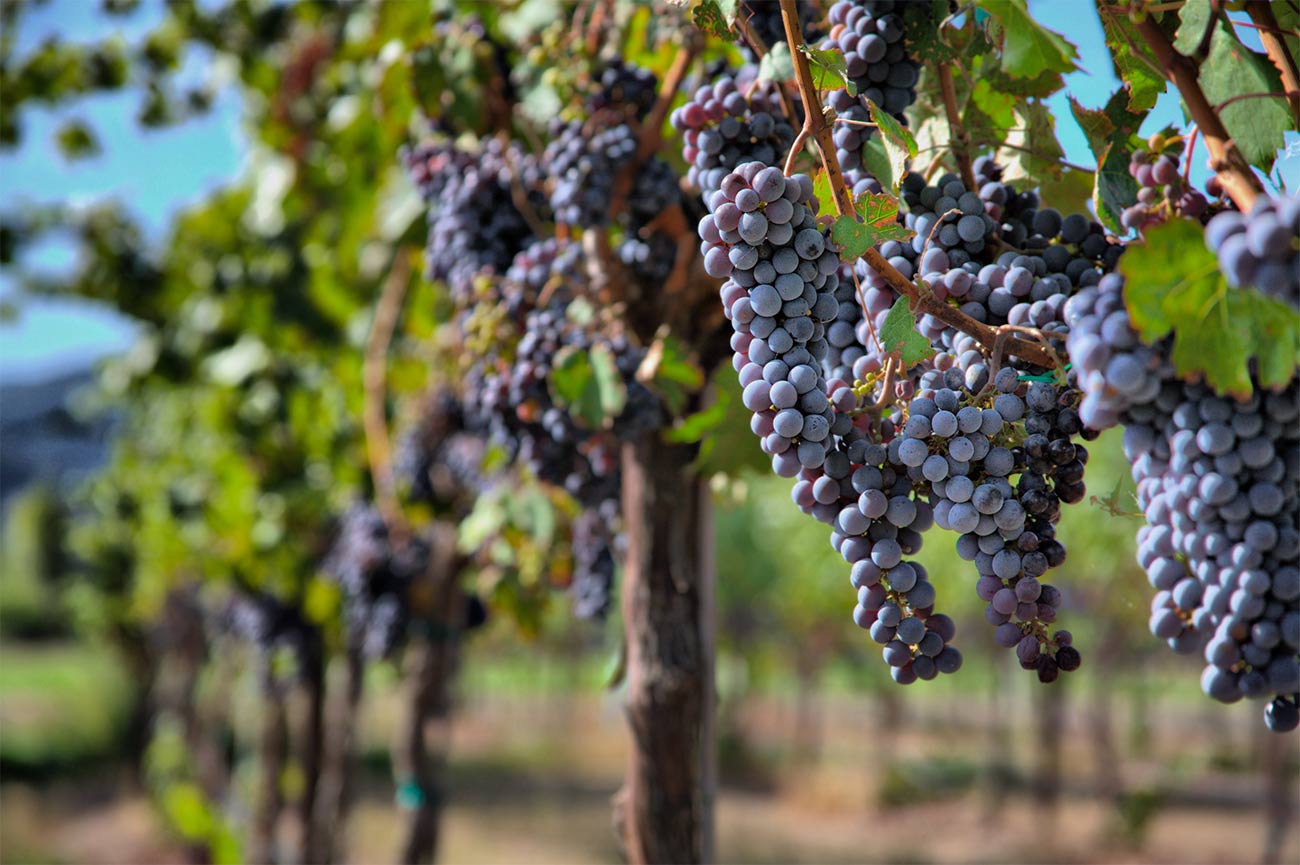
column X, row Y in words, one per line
column 537, row 793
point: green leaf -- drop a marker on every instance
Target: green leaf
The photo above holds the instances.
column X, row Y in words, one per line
column 828, row 69
column 1256, row 125
column 896, row 142
column 879, row 163
column 1037, row 154
column 1173, row 284
column 675, row 375
column 876, row 221
column 77, row 140
column 1111, row 134
column 926, row 41
column 823, row 193
column 892, row 129
column 1070, row 193
column 695, row 427
column 987, row 69
column 1028, row 48
column 588, row 384
column 777, row 64
column 1137, row 70
column 1288, row 20
column 1193, row 18
column 485, row 521
column 898, row 333
column 708, row 17
column 1113, row 503
column 997, row 105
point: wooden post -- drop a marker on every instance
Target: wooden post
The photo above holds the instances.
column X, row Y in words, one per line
column 420, row 753
column 664, row 811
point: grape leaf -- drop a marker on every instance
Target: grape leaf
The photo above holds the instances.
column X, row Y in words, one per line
column 987, row 69
column 77, row 141
column 670, row 371
column 1256, row 125
column 876, row 221
column 1138, row 72
column 925, row 39
column 998, row 106
column 880, row 163
column 1110, row 132
column 1173, row 283
column 896, row 143
column 1071, row 193
column 777, row 64
column 1034, row 154
column 892, row 129
column 1028, row 48
column 898, row 333
column 697, row 425
column 1288, row 20
column 822, row 192
column 708, row 16
column 828, row 69
column 588, row 384
column 1193, row 18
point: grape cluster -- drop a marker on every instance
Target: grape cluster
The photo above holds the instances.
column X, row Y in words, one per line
column 780, row 293
column 375, row 576
column 509, row 397
column 1162, row 194
column 624, row 88
column 474, row 225
column 870, row 35
column 969, row 450
column 1219, row 484
column 1113, row 368
column 1260, row 249
column 880, row 519
column 726, row 124
column 585, row 166
column 762, row 235
column 955, row 252
column 437, row 457
column 268, row 624
column 648, row 252
column 593, row 561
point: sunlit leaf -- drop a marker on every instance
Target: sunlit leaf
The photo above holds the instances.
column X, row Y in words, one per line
column 1173, row 285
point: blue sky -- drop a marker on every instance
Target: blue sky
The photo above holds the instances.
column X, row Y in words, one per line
column 161, row 171
column 157, row 171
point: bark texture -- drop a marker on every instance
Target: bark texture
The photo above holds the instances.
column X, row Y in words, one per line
column 664, row 811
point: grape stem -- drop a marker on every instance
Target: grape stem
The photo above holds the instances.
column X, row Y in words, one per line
column 816, row 127
column 595, row 27
column 374, row 374
column 956, row 131
column 761, row 48
column 750, row 35
column 1278, row 52
column 886, row 397
column 1225, row 158
column 1187, row 156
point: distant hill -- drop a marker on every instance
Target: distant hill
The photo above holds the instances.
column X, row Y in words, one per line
column 40, row 440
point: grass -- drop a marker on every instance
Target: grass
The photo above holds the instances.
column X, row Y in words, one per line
column 61, row 706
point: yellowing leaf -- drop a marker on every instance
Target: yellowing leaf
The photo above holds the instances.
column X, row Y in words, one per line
column 876, row 221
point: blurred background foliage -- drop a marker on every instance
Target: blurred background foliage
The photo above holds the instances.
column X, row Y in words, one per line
column 235, row 443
